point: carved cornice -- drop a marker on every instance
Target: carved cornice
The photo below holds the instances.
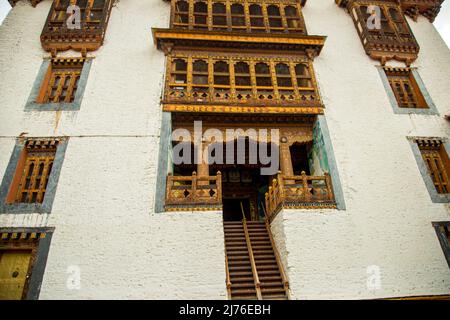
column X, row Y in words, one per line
column 241, row 109
column 33, row 2
column 412, row 8
column 169, row 39
column 239, row 120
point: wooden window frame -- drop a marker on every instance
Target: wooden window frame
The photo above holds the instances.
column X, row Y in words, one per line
column 438, row 164
column 36, row 240
column 438, row 189
column 442, row 229
column 76, row 69
column 301, row 95
column 246, row 16
column 60, row 83
column 40, row 158
column 42, row 186
column 405, row 88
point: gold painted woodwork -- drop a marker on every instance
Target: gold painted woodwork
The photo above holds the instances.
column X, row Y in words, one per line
column 56, row 36
column 17, row 254
column 394, row 41
column 170, row 39
column 413, row 8
column 299, row 192
column 194, row 192
column 188, row 96
column 186, row 14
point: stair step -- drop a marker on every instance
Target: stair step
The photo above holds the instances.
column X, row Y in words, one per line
column 241, row 279
column 240, row 268
column 238, row 253
column 238, row 263
column 238, row 258
column 264, row 278
column 244, row 286
column 264, row 256
column 240, row 274
column 274, row 297
column 266, row 263
column 243, row 291
column 269, row 272
column 275, row 284
column 273, row 290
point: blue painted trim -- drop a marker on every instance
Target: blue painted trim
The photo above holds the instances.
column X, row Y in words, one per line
column 431, row 110
column 163, row 157
column 47, row 204
column 334, row 173
column 423, row 169
column 31, row 104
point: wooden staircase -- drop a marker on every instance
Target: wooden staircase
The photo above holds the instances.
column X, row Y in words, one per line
column 253, row 265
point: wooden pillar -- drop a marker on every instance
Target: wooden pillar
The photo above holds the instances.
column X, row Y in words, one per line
column 203, row 166
column 286, row 162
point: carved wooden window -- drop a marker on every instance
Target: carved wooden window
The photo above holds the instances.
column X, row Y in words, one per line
column 181, row 14
column 233, row 15
column 438, row 164
column 443, row 232
column 219, row 16
column 93, row 21
column 238, row 17
column 33, row 172
column 394, row 40
column 61, row 81
column 405, row 88
column 240, row 79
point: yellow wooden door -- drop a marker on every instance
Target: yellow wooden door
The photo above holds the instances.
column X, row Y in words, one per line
column 13, row 273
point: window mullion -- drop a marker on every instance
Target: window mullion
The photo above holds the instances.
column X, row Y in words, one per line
column 60, row 87
column 211, row 84
column 232, row 79
column 189, row 77
column 265, row 17
column 191, row 15
column 294, row 80
column 253, row 78
column 274, row 79
column 210, row 15
column 247, row 15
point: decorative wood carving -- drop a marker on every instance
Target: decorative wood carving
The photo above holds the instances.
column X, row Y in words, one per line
column 220, row 82
column 33, row 2
column 94, row 20
column 167, row 39
column 413, row 8
column 299, row 192
column 194, row 192
column 405, row 88
column 394, row 40
column 238, row 16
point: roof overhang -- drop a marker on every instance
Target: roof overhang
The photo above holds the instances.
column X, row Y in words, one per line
column 168, row 39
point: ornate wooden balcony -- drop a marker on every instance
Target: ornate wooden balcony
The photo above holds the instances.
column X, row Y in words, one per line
column 268, row 16
column 299, row 192
column 231, row 82
column 394, row 40
column 194, row 192
column 94, row 20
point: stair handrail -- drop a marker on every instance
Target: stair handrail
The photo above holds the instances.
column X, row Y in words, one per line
column 250, row 254
column 277, row 256
column 278, row 259
column 228, row 277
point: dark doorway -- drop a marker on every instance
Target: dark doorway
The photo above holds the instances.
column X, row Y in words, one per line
column 232, row 210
